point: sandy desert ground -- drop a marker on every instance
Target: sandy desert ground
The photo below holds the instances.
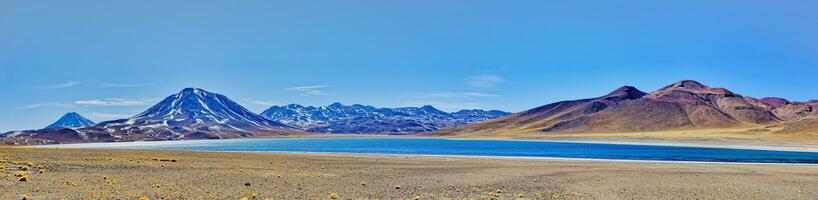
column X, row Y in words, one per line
column 155, row 174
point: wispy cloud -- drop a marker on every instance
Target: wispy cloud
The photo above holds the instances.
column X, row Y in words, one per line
column 484, row 81
column 263, row 103
column 458, row 94
column 104, row 84
column 66, row 84
column 258, row 102
column 105, row 102
column 106, row 116
column 123, row 85
column 451, row 106
column 114, row 102
column 47, row 105
column 310, row 90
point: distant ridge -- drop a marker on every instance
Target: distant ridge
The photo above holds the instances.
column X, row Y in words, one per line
column 71, row 119
column 683, row 105
column 340, row 118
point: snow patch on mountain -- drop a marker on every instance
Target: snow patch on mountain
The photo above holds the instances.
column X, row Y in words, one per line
column 339, row 118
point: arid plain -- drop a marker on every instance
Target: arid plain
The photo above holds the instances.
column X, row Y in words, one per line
column 154, row 174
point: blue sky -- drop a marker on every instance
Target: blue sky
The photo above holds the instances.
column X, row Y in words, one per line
column 113, row 59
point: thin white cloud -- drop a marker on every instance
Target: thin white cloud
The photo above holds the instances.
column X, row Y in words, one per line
column 310, row 90
column 66, row 84
column 458, row 95
column 47, row 105
column 123, row 85
column 258, row 102
column 484, row 81
column 98, row 117
column 114, row 102
column 263, row 103
column 90, row 103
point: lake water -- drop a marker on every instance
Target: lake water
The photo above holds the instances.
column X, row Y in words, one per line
column 508, row 148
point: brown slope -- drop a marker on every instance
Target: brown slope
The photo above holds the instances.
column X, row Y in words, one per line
column 774, row 102
column 716, row 106
column 800, row 118
column 795, row 111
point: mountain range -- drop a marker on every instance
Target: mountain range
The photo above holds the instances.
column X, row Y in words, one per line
column 190, row 114
column 339, row 118
column 684, row 105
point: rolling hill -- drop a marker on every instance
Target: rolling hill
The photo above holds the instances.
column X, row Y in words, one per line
column 684, row 105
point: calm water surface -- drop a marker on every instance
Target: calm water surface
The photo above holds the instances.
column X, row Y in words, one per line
column 437, row 146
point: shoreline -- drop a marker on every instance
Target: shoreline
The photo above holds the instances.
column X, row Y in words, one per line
column 732, row 144
column 531, row 158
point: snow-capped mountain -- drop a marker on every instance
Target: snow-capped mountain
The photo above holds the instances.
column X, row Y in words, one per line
column 190, row 114
column 71, row 119
column 194, row 107
column 197, row 113
column 339, row 118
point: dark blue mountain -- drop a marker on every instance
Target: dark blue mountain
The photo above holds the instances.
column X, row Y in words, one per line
column 71, row 119
column 193, row 106
column 339, row 118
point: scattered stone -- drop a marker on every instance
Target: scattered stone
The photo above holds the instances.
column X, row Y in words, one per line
column 247, row 184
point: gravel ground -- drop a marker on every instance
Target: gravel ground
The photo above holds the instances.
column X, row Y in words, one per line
column 155, row 174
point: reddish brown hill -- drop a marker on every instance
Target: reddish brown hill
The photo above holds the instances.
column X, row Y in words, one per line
column 683, row 105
